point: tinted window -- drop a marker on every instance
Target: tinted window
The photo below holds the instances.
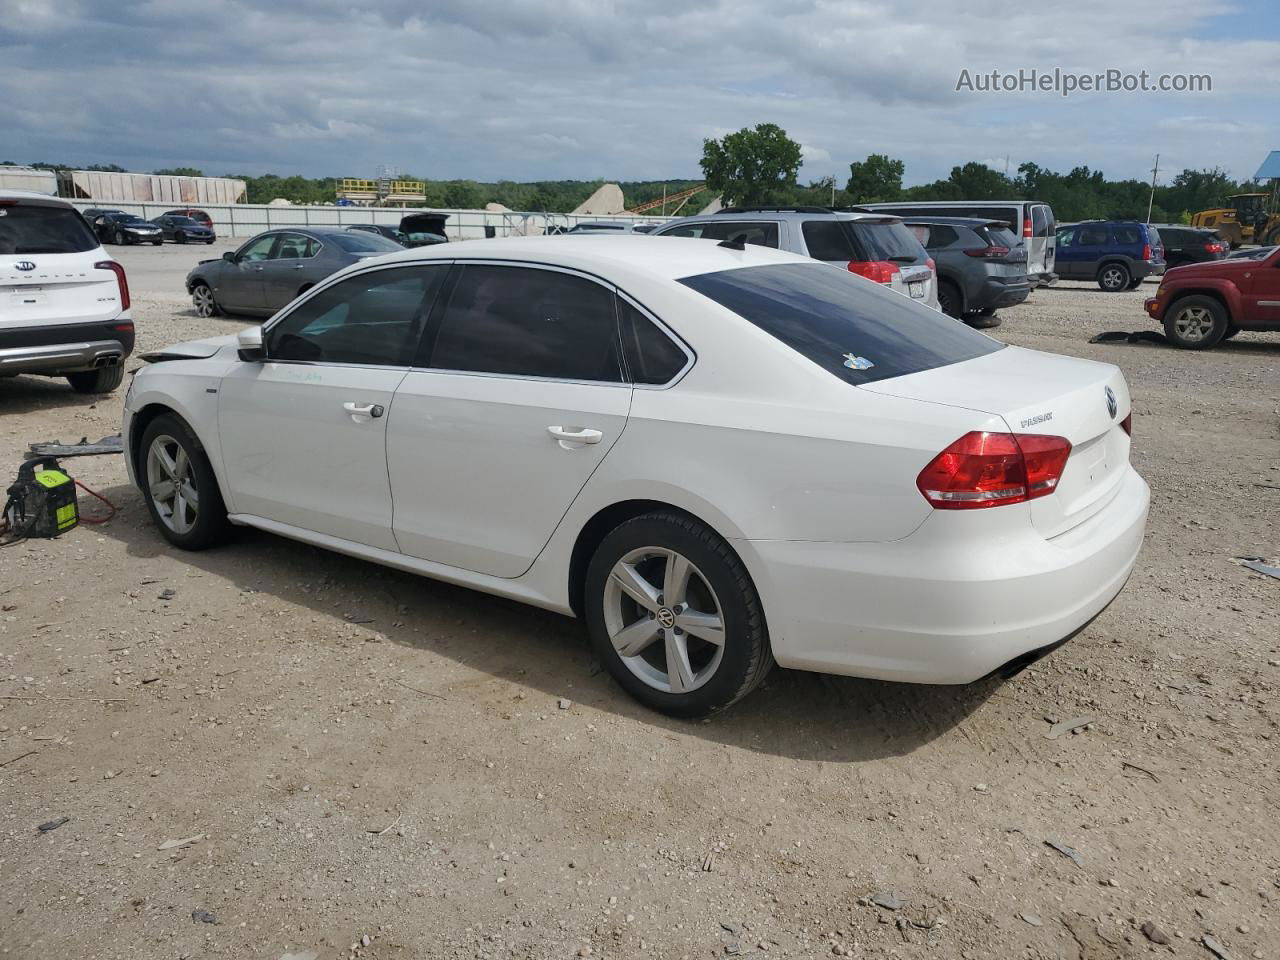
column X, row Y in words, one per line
column 887, row 241
column 939, row 235
column 652, row 356
column 1001, row 236
column 836, row 319
column 34, row 228
column 295, row 246
column 1153, row 237
column 1040, row 221
column 375, row 317
column 1127, row 236
column 1010, row 215
column 526, row 322
column 364, row 243
column 827, row 240
column 259, row 248
column 761, row 234
column 1092, row 236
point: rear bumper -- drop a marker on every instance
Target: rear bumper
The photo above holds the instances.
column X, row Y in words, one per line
column 57, row 348
column 933, row 607
column 1142, row 268
column 996, row 293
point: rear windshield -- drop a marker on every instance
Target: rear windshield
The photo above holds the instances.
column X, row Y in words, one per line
column 888, row 241
column 35, row 228
column 854, row 329
column 365, row 243
column 997, row 236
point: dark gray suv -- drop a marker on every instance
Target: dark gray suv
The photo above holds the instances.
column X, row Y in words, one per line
column 981, row 266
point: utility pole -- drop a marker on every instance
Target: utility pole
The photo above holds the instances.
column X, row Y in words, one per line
column 833, row 191
column 1155, row 170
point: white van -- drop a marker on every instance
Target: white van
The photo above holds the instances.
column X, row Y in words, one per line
column 1030, row 220
column 64, row 302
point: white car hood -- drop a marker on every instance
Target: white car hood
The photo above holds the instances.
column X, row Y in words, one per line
column 190, row 349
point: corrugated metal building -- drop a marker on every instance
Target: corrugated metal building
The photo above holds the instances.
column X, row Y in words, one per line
column 28, row 178
column 148, row 188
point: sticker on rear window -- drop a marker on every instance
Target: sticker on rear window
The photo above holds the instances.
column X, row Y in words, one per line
column 857, row 363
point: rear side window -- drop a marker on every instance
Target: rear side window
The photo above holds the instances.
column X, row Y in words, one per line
column 998, row 236
column 827, row 240
column 856, row 331
column 1128, row 236
column 940, row 235
column 365, row 243
column 763, row 234
column 1092, row 237
column 36, row 228
column 652, row 356
column 526, row 322
column 887, row 241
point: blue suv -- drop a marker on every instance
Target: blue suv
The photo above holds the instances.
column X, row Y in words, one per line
column 1118, row 254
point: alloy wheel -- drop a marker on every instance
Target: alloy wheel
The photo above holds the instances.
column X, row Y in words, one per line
column 1113, row 278
column 202, row 297
column 1193, row 324
column 172, row 483
column 664, row 619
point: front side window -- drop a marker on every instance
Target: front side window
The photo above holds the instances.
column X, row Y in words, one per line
column 856, row 331
column 1066, row 237
column 258, row 248
column 652, row 356
column 527, row 322
column 372, row 318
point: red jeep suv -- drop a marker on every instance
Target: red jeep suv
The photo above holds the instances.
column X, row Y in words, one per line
column 1201, row 304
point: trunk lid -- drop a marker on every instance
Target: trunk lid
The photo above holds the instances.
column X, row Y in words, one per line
column 1042, row 393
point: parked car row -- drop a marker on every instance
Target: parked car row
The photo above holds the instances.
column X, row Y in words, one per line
column 180, row 226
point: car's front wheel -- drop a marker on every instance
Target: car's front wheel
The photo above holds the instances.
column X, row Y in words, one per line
column 119, row 239
column 1113, row 277
column 1195, row 323
column 179, row 237
column 179, row 486
column 202, row 299
column 674, row 617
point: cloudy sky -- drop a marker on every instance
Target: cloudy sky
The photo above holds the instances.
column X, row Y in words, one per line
column 623, row 89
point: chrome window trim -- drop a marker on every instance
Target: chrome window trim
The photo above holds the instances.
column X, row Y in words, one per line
column 689, row 356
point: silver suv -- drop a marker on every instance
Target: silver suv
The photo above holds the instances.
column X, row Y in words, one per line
column 872, row 245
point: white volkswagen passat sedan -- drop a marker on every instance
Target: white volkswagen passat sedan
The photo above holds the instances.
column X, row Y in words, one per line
column 717, row 457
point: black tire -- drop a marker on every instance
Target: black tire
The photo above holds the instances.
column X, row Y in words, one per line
column 745, row 656
column 1274, row 239
column 210, row 526
column 950, row 300
column 1231, row 332
column 1199, row 310
column 102, row 380
column 208, row 241
column 201, row 291
column 982, row 320
column 1114, row 277
column 156, row 243
column 179, row 237
column 119, row 239
column 1135, row 283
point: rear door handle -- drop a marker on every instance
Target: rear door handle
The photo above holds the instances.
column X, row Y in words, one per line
column 363, row 412
column 569, row 437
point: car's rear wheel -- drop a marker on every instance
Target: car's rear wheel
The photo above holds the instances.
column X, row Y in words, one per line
column 674, row 616
column 949, row 299
column 179, row 486
column 1113, row 277
column 202, row 299
column 156, row 243
column 1195, row 323
column 102, row 380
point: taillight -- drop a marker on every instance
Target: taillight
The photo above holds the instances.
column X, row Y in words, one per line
column 121, row 281
column 990, row 253
column 881, row 271
column 1127, row 424
column 990, row 469
column 1146, row 251
column 1026, row 227
column 931, row 265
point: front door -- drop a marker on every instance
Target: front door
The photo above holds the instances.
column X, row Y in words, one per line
column 284, row 274
column 520, row 399
column 303, row 432
column 239, row 284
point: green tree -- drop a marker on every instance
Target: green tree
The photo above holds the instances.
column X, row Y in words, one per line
column 754, row 165
column 178, row 172
column 876, row 179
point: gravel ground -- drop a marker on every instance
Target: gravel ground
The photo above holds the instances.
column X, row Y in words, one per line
column 376, row 765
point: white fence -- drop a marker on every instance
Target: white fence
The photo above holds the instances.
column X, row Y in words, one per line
column 247, row 219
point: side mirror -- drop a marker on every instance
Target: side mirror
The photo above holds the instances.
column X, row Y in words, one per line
column 229, row 256
column 249, row 343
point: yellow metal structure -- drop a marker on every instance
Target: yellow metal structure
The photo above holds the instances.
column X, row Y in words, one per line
column 383, row 192
column 1238, row 222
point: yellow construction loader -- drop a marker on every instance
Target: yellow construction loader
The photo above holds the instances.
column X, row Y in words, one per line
column 1245, row 221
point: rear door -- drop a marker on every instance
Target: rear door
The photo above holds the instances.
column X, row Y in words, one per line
column 1260, row 287
column 519, row 397
column 47, row 267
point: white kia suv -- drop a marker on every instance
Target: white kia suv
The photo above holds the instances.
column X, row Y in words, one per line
column 717, row 455
column 64, row 303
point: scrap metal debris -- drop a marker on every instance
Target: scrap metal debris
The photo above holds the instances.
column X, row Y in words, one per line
column 82, row 449
column 49, row 825
column 1137, row 336
column 1210, row 941
column 203, row 916
column 1265, row 568
column 889, row 900
column 1066, row 851
column 174, row 844
column 1068, row 726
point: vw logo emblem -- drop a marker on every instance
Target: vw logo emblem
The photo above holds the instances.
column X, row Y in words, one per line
column 26, row 266
column 1111, row 402
column 667, row 617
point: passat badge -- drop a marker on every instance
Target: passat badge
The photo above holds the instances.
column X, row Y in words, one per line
column 1111, row 402
column 26, row 266
column 857, row 363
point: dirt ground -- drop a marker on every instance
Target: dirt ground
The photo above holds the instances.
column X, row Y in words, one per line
column 367, row 763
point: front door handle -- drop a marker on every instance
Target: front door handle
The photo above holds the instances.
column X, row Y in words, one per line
column 569, row 437
column 299, row 266
column 363, row 412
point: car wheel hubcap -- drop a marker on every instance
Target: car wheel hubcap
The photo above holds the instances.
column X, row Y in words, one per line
column 172, row 484
column 664, row 620
column 1193, row 323
column 204, row 301
column 1112, row 278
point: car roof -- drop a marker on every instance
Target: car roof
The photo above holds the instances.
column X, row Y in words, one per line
column 668, row 258
column 782, row 213
column 29, row 195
